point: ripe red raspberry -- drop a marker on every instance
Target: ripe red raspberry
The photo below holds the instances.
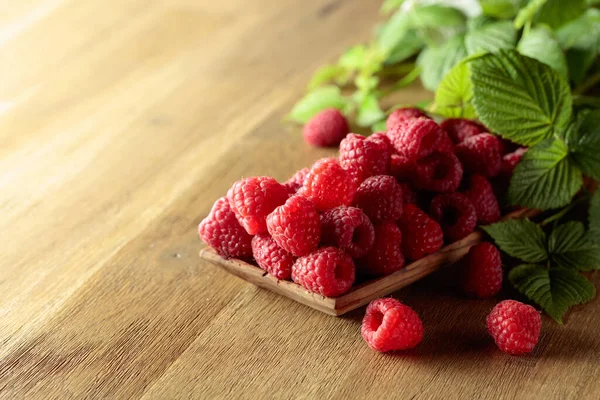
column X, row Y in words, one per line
column 389, row 325
column 402, row 114
column 383, row 137
column 460, row 129
column 409, row 196
column 510, row 161
column 327, row 271
column 455, row 213
column 252, row 199
column 363, row 157
column 482, row 271
column 481, row 154
column 295, row 226
column 325, row 129
column 438, row 172
column 445, row 144
column 222, row 231
column 514, row 326
column 415, row 138
column 380, row 197
column 328, row 185
column 386, row 255
column 481, row 193
column 296, row 181
column 272, row 258
column 421, row 235
column 401, row 167
column 349, row 229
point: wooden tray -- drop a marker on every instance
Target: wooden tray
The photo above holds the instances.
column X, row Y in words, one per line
column 363, row 293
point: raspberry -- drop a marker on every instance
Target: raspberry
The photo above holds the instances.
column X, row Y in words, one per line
column 222, row 231
column 327, row 271
column 445, row 144
column 386, row 255
column 438, row 172
column 349, row 229
column 409, row 196
column 295, row 226
column 401, row 167
column 383, row 137
column 482, row 271
column 481, row 154
column 380, row 197
column 389, row 325
column 481, row 193
column 272, row 258
column 460, row 129
column 510, row 161
column 514, row 326
column 296, row 181
column 402, row 114
column 415, row 138
column 252, row 199
column 326, row 129
column 455, row 213
column 421, row 235
column 363, row 157
column 328, row 185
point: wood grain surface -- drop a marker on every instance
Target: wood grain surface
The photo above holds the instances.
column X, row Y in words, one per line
column 121, row 121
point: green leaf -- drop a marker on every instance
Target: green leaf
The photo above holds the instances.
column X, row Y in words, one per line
column 393, row 32
column 435, row 62
column 369, row 111
column 454, row 94
column 353, row 58
column 555, row 290
column 408, row 46
column 545, row 178
column 326, row 74
column 526, row 14
column 491, row 37
column 436, row 15
column 378, row 127
column 584, row 143
column 503, row 9
column 519, row 238
column 556, row 13
column 581, row 33
column 318, row 100
column 390, row 5
column 540, row 44
column 520, row 98
column 579, row 62
column 570, row 247
column 594, row 218
column 479, row 22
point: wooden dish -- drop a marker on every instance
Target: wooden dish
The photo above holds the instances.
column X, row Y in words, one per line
column 362, row 293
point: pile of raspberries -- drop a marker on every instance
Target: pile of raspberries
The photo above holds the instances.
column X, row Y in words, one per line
column 389, row 198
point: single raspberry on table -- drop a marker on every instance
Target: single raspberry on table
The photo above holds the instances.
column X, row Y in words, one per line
column 438, row 172
column 222, row 231
column 421, row 234
column 364, row 157
column 380, row 197
column 326, row 129
column 328, row 185
column 481, row 154
column 389, row 325
column 252, row 199
column 514, row 326
column 481, row 271
column 401, row 167
column 455, row 213
column 402, row 114
column 460, row 129
column 409, row 195
column 295, row 226
column 445, row 144
column 327, row 271
column 272, row 258
column 481, row 193
column 415, row 138
column 349, row 229
column 510, row 161
column 386, row 255
column 296, row 181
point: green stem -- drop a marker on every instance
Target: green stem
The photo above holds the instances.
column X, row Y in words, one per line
column 586, row 100
column 559, row 215
column 405, row 81
column 400, row 69
column 588, row 84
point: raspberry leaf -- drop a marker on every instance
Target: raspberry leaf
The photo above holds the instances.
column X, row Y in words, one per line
column 369, row 111
column 541, row 44
column 526, row 14
column 491, row 37
column 326, row 74
column 582, row 33
column 410, row 45
column 503, row 9
column 594, row 218
column 555, row 290
column 545, row 178
column 584, row 143
column 318, row 100
column 520, row 98
column 453, row 95
column 390, row 5
column 435, row 62
column 519, row 238
column 570, row 247
column 556, row 13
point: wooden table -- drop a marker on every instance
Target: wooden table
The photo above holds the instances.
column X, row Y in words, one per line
column 120, row 123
